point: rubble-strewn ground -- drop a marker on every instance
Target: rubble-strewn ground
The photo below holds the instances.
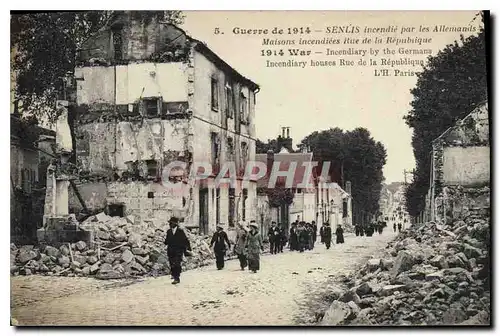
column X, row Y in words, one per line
column 278, row 295
column 121, row 248
column 430, row 275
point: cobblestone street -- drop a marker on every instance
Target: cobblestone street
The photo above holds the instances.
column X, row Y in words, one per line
column 205, row 296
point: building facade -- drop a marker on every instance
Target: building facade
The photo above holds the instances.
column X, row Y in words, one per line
column 148, row 95
column 30, row 155
column 314, row 198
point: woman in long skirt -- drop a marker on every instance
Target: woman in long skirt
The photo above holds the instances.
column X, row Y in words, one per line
column 254, row 247
column 239, row 246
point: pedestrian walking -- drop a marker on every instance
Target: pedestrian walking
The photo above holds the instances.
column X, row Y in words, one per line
column 340, row 235
column 357, row 230
column 177, row 246
column 394, row 227
column 399, row 226
column 274, row 238
column 281, row 238
column 303, row 237
column 326, row 235
column 293, row 243
column 240, row 246
column 315, row 230
column 254, row 247
column 310, row 230
column 369, row 230
column 219, row 241
column 380, row 227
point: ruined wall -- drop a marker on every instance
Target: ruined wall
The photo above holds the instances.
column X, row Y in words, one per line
column 99, row 84
column 93, row 193
column 149, row 201
column 466, row 165
column 166, row 80
column 460, row 172
column 104, row 147
column 23, row 167
column 140, row 40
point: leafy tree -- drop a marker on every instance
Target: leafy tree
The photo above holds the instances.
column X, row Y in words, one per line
column 45, row 45
column 451, row 84
column 354, row 156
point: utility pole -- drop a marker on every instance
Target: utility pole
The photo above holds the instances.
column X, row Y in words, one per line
column 408, row 172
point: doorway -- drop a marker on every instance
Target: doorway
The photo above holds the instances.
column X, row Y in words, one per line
column 203, row 201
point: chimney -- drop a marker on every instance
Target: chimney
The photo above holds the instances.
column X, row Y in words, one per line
column 288, row 142
column 270, row 161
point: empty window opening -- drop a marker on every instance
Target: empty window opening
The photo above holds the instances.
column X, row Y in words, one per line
column 215, row 94
column 116, row 210
column 117, row 43
column 152, row 166
column 151, row 107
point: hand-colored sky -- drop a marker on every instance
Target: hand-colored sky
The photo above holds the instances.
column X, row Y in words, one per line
column 318, row 98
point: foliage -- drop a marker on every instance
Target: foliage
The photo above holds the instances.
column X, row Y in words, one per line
column 356, row 157
column 451, row 84
column 45, row 45
column 25, row 129
column 279, row 195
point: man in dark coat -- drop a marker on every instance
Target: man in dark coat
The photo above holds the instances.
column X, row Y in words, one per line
column 294, row 239
column 315, row 229
column 340, row 235
column 177, row 246
column 399, row 226
column 219, row 241
column 394, row 227
column 281, row 238
column 326, row 234
column 274, row 238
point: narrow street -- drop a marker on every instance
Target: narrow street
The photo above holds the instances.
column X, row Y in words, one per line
column 276, row 295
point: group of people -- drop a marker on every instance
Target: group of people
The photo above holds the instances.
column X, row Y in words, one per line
column 277, row 238
column 248, row 244
column 248, row 247
column 379, row 226
column 400, row 226
column 302, row 236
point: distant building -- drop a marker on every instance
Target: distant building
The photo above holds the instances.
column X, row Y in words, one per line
column 30, row 155
column 322, row 201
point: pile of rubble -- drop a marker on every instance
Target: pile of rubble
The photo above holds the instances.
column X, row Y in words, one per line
column 121, row 248
column 430, row 275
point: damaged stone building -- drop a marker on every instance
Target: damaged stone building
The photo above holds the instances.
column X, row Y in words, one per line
column 147, row 94
column 460, row 171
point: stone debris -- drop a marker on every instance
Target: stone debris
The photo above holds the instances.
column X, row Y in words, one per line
column 122, row 247
column 429, row 275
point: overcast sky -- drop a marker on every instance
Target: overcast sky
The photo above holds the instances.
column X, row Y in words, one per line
column 312, row 99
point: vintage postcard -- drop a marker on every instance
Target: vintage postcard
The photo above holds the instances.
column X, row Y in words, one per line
column 250, row 168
